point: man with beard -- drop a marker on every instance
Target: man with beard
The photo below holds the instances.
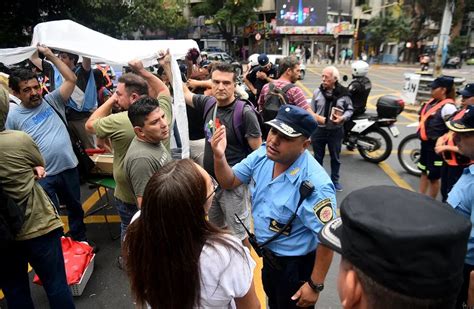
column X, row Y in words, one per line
column 39, row 117
column 331, row 102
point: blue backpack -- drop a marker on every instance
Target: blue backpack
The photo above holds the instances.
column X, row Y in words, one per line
column 237, row 119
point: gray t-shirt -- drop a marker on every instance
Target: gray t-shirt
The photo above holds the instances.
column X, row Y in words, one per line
column 234, row 152
column 48, row 131
column 142, row 161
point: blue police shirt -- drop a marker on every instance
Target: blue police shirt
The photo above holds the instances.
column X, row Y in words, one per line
column 275, row 200
column 461, row 198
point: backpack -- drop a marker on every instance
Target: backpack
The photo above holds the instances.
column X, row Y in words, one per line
column 237, row 119
column 274, row 99
column 12, row 217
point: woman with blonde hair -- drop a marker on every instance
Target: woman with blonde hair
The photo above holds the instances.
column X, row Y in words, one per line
column 175, row 258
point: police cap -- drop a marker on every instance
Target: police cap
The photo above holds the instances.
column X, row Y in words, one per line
column 405, row 241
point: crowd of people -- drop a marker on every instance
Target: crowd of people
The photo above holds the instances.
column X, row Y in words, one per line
column 186, row 224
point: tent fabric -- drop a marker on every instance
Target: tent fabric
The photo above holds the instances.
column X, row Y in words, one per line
column 69, row 36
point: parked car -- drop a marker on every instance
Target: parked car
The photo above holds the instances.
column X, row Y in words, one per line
column 213, row 50
column 275, row 59
column 224, row 57
column 453, row 62
column 470, row 61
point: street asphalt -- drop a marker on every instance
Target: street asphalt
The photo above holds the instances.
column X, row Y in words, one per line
column 108, row 286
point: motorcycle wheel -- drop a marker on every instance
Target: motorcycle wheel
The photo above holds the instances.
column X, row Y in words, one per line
column 408, row 154
column 382, row 142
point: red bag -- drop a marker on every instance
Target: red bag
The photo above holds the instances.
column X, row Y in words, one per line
column 77, row 256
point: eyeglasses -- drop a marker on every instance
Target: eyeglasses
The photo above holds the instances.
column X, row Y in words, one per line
column 466, row 97
column 215, row 186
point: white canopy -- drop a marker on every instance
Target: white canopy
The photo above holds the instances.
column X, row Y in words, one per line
column 69, row 36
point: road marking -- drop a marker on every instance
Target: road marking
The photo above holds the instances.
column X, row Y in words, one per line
column 394, row 176
column 257, row 279
column 309, row 93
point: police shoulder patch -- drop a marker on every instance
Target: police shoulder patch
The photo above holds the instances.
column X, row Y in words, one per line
column 323, row 210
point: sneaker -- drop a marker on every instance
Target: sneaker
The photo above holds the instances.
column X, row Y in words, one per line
column 338, row 187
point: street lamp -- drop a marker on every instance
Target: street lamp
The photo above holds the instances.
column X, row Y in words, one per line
column 356, row 50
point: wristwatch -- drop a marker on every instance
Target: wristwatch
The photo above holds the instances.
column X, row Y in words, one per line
column 317, row 287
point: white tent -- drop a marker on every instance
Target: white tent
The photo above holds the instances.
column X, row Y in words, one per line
column 66, row 35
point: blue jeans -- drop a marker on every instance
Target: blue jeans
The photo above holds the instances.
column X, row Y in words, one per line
column 333, row 139
column 126, row 212
column 45, row 255
column 66, row 186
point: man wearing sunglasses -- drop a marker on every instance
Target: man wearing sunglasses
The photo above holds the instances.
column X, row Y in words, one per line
column 293, row 273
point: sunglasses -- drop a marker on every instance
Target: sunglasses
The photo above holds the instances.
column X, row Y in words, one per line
column 466, row 97
column 215, row 186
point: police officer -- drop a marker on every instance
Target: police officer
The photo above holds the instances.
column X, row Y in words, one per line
column 454, row 162
column 275, row 173
column 399, row 249
column 360, row 86
column 432, row 117
column 461, row 197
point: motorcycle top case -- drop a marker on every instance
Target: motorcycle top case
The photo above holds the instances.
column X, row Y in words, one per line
column 389, row 106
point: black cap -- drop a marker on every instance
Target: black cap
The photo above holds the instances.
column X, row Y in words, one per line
column 263, row 60
column 465, row 123
column 468, row 91
column 293, row 121
column 405, row 241
column 443, row 81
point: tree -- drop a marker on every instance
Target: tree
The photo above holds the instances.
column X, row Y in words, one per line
column 228, row 14
column 384, row 29
column 111, row 17
column 423, row 13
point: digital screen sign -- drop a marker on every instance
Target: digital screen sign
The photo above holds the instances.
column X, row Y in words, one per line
column 299, row 13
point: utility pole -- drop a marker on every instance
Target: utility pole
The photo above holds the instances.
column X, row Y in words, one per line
column 441, row 51
column 336, row 34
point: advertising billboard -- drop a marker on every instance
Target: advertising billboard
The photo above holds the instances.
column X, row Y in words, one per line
column 301, row 13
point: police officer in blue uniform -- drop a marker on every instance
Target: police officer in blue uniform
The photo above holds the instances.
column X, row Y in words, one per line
column 275, row 173
column 461, row 196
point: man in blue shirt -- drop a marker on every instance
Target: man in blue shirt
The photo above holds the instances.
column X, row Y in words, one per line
column 461, row 197
column 37, row 116
column 275, row 172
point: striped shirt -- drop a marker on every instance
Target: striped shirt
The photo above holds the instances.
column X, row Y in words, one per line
column 295, row 95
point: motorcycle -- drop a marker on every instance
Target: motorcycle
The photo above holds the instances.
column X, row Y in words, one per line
column 367, row 134
column 409, row 151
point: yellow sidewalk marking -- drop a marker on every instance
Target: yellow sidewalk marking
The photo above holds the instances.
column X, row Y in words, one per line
column 257, row 279
column 394, row 176
column 93, row 219
column 309, row 93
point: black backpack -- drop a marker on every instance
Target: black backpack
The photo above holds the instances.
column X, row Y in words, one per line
column 12, row 217
column 274, row 99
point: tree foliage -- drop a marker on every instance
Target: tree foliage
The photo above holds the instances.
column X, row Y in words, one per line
column 384, row 29
column 112, row 17
column 228, row 14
